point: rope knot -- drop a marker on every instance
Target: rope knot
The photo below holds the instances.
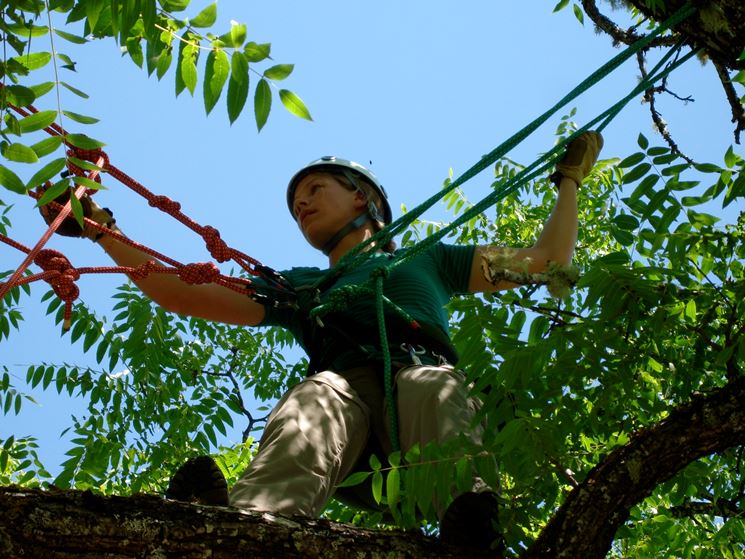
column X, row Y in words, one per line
column 165, row 204
column 61, row 275
column 143, row 270
column 199, row 272
column 218, row 248
column 95, row 156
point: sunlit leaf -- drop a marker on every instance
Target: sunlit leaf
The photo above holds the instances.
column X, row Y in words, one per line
column 70, row 37
column 294, row 104
column 19, row 153
column 82, row 119
column 279, row 71
column 11, row 181
column 256, row 52
column 74, row 90
column 37, row 121
column 206, row 17
column 216, row 74
column 83, row 142
column 238, row 85
column 46, row 173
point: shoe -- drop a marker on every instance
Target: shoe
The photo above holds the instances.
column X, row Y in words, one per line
column 199, row 480
column 580, row 157
column 470, row 521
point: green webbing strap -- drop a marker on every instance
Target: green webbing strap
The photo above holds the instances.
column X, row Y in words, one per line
column 537, row 168
column 352, row 258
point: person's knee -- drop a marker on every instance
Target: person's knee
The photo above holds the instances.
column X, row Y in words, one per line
column 430, row 384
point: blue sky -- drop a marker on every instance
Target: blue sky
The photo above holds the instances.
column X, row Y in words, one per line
column 411, row 89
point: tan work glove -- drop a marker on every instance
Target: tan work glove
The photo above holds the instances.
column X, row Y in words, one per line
column 580, row 157
column 70, row 226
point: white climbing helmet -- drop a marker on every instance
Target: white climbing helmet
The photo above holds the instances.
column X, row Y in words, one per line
column 353, row 172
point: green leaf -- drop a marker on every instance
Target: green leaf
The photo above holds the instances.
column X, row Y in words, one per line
column 83, row 142
column 739, row 77
column 37, row 121
column 701, row 219
column 262, row 103
column 631, row 160
column 377, row 486
column 134, row 49
column 642, row 141
column 34, row 60
column 11, row 181
column 736, row 189
column 163, row 62
column 53, row 192
column 19, row 153
column 188, row 66
column 205, row 18
column 625, row 221
column 645, row 187
column 19, row 95
column 730, row 158
column 46, row 173
column 82, row 119
column 92, row 12
column 74, row 90
column 561, row 5
column 237, row 34
column 636, row 173
column 42, row 89
column 279, row 72
column 393, row 487
column 174, row 5
column 77, row 212
column 238, row 85
column 216, row 74
column 256, row 52
column 88, row 183
column 70, row 37
column 294, row 104
column 579, row 14
column 355, row 479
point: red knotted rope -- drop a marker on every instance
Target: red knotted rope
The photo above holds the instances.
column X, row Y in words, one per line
column 61, row 275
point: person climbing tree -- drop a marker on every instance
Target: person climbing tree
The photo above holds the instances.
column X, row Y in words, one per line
column 327, row 425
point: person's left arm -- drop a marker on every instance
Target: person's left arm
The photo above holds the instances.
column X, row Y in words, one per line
column 556, row 243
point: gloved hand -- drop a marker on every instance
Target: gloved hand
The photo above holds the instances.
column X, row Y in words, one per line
column 70, row 226
column 580, row 156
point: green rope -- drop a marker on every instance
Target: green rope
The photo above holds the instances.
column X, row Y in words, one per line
column 387, row 368
column 352, row 258
column 536, row 169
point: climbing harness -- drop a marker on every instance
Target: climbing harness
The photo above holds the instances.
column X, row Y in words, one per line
column 273, row 288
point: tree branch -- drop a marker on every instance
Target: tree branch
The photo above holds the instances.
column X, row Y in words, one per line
column 79, row 524
column 586, row 523
column 738, row 111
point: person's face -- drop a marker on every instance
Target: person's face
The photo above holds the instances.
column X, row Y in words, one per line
column 323, row 205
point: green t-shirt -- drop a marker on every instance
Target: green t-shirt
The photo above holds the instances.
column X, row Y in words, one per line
column 421, row 286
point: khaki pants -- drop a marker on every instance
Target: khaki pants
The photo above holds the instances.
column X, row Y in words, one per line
column 321, row 428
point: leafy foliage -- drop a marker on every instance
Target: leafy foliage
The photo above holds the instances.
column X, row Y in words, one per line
column 656, row 317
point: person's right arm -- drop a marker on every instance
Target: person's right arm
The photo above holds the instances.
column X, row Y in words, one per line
column 209, row 301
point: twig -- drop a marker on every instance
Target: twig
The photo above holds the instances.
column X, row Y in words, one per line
column 738, row 111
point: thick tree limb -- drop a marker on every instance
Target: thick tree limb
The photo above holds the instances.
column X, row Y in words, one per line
column 587, row 522
column 718, row 26
column 80, row 525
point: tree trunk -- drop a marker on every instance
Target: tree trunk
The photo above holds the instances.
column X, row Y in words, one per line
column 586, row 523
column 78, row 524
column 65, row 524
column 718, row 26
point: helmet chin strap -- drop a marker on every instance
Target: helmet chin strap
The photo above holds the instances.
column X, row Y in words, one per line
column 356, row 223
